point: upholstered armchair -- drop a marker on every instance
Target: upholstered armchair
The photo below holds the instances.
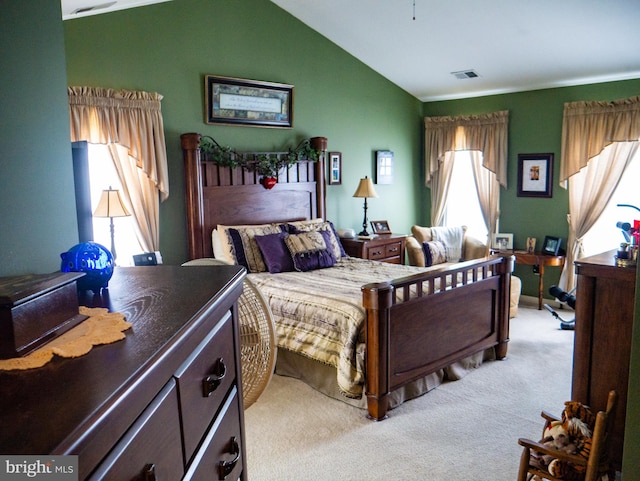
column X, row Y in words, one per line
column 471, row 249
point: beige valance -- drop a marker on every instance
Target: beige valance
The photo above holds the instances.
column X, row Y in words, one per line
column 487, row 133
column 588, row 127
column 128, row 118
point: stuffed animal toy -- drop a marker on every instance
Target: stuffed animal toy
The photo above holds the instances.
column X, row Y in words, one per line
column 572, row 434
column 555, row 437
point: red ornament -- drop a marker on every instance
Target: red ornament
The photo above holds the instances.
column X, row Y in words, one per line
column 268, row 182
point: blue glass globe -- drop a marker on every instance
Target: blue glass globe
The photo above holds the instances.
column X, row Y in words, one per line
column 94, row 260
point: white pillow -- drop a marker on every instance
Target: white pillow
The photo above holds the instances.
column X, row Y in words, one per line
column 219, row 250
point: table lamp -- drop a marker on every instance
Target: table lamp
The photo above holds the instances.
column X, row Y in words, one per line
column 365, row 190
column 111, row 206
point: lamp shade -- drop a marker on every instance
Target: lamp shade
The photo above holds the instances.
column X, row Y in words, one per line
column 111, row 205
column 365, row 189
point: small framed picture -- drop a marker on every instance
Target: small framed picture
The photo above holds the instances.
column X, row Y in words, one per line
column 380, row 227
column 531, row 245
column 502, row 242
column 551, row 245
column 335, row 168
column 384, row 167
column 535, row 175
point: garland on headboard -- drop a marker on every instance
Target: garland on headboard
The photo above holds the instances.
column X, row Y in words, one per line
column 264, row 164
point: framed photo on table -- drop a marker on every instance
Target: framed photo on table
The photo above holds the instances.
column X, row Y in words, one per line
column 551, row 245
column 380, row 227
column 502, row 242
column 535, row 175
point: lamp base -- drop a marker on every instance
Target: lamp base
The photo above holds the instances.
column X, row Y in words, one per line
column 364, row 233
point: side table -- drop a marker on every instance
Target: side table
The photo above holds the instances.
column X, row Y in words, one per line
column 540, row 260
column 384, row 247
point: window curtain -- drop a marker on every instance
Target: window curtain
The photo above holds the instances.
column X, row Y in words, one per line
column 599, row 139
column 440, row 183
column 488, row 189
column 486, row 135
column 130, row 124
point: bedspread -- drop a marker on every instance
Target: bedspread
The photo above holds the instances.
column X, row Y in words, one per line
column 319, row 313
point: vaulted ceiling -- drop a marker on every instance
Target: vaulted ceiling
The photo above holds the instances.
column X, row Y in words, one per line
column 445, row 49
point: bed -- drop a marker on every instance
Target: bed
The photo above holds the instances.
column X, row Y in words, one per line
column 416, row 323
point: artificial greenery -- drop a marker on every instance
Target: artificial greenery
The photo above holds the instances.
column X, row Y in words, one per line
column 267, row 165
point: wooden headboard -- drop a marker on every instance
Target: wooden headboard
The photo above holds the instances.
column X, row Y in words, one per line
column 218, row 194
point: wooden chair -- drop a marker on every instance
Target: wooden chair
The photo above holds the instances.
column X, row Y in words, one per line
column 596, row 465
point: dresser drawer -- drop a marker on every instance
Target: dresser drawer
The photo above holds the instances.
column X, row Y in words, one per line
column 376, row 252
column 221, row 454
column 204, row 380
column 393, row 250
column 151, row 448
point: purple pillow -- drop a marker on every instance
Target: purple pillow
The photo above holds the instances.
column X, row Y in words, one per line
column 275, row 253
column 309, row 250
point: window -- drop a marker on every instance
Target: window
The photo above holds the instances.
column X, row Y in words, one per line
column 102, row 174
column 463, row 205
column 604, row 235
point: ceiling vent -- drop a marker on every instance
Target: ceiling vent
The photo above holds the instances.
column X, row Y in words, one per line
column 94, row 7
column 464, row 74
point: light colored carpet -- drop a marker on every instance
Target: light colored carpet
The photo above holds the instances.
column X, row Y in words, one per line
column 463, row 430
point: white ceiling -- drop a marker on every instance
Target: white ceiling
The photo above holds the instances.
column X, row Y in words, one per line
column 513, row 45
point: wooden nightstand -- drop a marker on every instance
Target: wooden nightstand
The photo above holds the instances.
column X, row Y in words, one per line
column 384, row 247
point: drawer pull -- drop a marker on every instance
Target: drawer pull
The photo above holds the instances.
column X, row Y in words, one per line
column 377, row 253
column 393, row 249
column 225, row 467
column 211, row 383
column 150, row 472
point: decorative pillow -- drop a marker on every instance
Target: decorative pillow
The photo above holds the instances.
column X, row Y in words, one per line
column 318, row 225
column 306, row 225
column 435, row 252
column 223, row 242
column 309, row 250
column 275, row 253
column 219, row 251
column 244, row 248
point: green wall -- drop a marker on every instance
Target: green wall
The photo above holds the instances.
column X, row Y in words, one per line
column 170, row 47
column 535, row 126
column 37, row 213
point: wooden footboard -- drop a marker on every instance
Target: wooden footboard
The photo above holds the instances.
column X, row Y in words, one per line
column 416, row 327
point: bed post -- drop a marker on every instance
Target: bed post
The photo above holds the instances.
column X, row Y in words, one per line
column 320, row 144
column 193, row 195
column 377, row 300
column 506, row 268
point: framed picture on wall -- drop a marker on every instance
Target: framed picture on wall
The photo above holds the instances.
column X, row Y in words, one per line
column 235, row 101
column 384, row 167
column 535, row 175
column 335, row 168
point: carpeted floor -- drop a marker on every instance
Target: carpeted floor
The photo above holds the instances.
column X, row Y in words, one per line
column 463, row 430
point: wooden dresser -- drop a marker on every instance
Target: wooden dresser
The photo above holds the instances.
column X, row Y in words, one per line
column 384, row 247
column 605, row 300
column 165, row 403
